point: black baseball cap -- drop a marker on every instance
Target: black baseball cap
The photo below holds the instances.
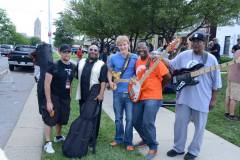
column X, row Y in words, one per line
column 198, row 36
column 65, row 48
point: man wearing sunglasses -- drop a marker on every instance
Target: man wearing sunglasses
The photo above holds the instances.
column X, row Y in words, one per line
column 58, row 80
column 91, row 72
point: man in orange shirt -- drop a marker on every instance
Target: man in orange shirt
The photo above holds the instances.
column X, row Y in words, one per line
column 146, row 109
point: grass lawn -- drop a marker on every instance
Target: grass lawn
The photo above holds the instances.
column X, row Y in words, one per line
column 103, row 151
column 217, row 123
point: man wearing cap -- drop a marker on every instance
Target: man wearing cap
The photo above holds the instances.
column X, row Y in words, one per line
column 58, row 80
column 194, row 102
column 145, row 111
column 91, row 72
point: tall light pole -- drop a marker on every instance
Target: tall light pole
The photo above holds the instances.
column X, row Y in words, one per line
column 49, row 23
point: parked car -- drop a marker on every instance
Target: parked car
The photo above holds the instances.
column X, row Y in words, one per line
column 5, row 49
column 21, row 56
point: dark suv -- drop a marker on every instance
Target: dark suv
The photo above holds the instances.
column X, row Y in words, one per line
column 5, row 49
column 21, row 56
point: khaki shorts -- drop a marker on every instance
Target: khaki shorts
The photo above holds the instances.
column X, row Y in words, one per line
column 233, row 91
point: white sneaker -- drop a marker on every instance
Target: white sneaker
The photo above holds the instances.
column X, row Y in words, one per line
column 48, row 148
column 59, row 139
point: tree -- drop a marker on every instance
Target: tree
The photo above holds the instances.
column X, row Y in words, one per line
column 7, row 29
column 64, row 31
column 105, row 19
column 34, row 41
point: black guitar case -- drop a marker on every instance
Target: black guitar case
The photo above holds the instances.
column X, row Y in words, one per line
column 82, row 132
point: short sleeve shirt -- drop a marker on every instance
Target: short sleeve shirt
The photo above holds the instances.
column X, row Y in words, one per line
column 152, row 86
column 116, row 62
column 61, row 74
column 197, row 96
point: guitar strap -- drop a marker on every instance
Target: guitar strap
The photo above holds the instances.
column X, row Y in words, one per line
column 205, row 57
column 125, row 65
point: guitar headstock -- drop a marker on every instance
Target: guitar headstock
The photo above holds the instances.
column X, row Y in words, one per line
column 173, row 45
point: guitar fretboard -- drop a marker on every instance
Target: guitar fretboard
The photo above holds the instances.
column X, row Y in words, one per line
column 213, row 68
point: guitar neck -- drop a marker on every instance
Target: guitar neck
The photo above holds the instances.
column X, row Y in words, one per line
column 213, row 68
column 149, row 71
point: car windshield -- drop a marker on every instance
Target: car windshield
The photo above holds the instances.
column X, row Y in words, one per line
column 25, row 49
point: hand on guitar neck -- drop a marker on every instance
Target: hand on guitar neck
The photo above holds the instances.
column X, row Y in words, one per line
column 116, row 79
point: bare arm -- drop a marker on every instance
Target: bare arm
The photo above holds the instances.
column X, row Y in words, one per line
column 213, row 100
column 111, row 83
column 166, row 79
column 47, row 84
column 101, row 93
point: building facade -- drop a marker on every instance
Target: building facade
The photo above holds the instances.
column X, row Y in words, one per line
column 37, row 28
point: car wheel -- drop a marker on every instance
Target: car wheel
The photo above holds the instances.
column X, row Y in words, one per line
column 11, row 67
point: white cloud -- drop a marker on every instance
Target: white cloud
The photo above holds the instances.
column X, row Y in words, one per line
column 23, row 13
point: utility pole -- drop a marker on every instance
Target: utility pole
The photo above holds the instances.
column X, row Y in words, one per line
column 49, row 23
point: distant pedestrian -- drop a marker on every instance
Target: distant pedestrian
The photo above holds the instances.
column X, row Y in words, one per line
column 237, row 46
column 57, row 86
column 79, row 53
column 215, row 49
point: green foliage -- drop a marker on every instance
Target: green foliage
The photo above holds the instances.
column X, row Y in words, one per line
column 64, row 31
column 7, row 29
column 20, row 39
column 106, row 19
column 34, row 41
column 224, row 59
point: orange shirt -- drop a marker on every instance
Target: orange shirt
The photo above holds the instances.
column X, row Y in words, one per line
column 152, row 86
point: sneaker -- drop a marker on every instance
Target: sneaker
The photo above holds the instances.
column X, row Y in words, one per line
column 141, row 144
column 58, row 139
column 151, row 154
column 173, row 153
column 233, row 118
column 130, row 148
column 48, row 148
column 189, row 156
column 226, row 115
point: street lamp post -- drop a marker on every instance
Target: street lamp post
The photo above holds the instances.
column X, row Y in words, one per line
column 49, row 23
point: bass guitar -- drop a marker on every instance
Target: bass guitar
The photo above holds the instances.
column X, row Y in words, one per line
column 185, row 77
column 135, row 85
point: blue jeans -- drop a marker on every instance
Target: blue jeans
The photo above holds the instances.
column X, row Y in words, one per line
column 122, row 102
column 144, row 116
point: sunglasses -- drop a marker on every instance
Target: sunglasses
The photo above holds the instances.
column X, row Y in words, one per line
column 66, row 52
column 95, row 50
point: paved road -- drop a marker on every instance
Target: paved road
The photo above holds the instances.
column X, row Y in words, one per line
column 14, row 90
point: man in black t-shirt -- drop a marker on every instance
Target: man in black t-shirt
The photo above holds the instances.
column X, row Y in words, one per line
column 58, row 80
column 215, row 49
column 237, row 46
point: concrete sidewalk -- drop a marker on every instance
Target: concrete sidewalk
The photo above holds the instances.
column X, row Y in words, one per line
column 26, row 140
column 213, row 148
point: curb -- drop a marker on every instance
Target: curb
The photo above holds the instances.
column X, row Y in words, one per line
column 26, row 140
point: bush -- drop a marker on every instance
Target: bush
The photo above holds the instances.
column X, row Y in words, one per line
column 224, row 59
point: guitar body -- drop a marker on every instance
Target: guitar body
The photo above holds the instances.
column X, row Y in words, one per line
column 134, row 90
column 182, row 77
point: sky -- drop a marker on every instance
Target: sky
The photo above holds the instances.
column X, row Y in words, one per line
column 23, row 14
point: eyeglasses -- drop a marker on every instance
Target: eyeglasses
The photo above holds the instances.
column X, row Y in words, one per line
column 95, row 50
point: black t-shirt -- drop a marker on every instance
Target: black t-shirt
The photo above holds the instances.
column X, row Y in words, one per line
column 216, row 47
column 236, row 47
column 85, row 78
column 61, row 74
